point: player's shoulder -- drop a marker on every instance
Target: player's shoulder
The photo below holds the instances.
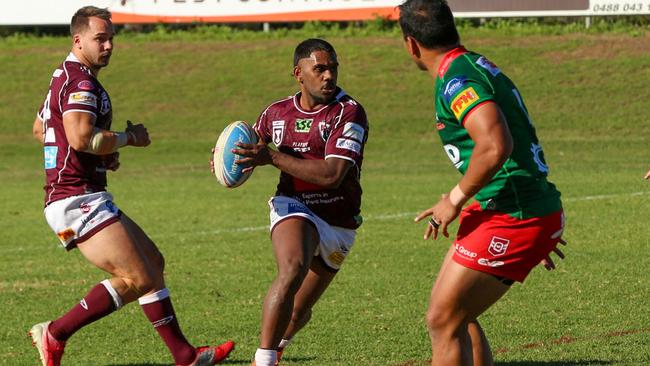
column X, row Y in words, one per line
column 350, row 108
column 280, row 105
column 472, row 64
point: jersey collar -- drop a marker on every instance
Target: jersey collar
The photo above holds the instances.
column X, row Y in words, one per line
column 296, row 102
column 448, row 58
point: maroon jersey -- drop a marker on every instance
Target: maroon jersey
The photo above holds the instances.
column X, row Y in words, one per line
column 68, row 172
column 337, row 130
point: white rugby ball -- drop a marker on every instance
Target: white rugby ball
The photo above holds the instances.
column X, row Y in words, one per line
column 229, row 173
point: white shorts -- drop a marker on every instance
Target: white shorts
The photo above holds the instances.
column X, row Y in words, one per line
column 77, row 218
column 335, row 242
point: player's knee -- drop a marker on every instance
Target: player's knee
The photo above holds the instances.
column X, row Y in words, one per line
column 291, row 274
column 158, row 262
column 301, row 316
column 440, row 319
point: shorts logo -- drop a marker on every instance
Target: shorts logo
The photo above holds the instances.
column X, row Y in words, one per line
column 463, row 252
column 303, row 125
column 463, row 101
column 488, row 263
column 278, row 132
column 336, row 258
column 488, row 65
column 66, row 234
column 50, row 156
column 349, row 145
column 452, row 87
column 85, row 98
column 84, row 207
column 498, row 246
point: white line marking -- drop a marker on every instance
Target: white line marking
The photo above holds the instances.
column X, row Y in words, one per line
column 380, row 217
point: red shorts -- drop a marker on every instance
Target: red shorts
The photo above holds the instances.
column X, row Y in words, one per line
column 499, row 244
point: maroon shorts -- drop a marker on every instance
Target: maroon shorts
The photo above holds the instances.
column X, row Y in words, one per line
column 504, row 246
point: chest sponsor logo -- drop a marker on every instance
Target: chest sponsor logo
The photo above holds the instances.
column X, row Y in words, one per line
column 106, row 104
column 303, row 125
column 324, row 129
column 349, row 145
column 86, row 85
column 278, row 132
column 488, row 65
column 463, row 101
column 354, row 131
column 84, row 98
column 452, row 87
column 498, row 246
column 50, row 156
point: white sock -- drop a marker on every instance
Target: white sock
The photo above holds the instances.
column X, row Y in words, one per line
column 265, row 357
column 284, row 343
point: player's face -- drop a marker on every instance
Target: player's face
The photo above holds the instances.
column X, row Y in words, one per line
column 317, row 75
column 96, row 42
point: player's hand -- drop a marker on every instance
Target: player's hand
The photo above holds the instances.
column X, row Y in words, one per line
column 442, row 214
column 254, row 154
column 138, row 134
column 112, row 161
column 548, row 262
column 647, row 175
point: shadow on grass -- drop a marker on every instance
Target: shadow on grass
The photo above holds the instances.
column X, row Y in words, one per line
column 230, row 361
column 553, row 363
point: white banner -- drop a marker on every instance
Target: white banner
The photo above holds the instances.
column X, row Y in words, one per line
column 42, row 12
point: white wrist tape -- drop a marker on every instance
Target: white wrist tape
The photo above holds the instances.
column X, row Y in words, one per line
column 100, row 144
column 457, row 197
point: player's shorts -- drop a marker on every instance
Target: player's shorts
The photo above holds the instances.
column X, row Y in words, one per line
column 335, row 242
column 77, row 218
column 506, row 247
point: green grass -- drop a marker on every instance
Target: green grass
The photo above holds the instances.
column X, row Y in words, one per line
column 587, row 94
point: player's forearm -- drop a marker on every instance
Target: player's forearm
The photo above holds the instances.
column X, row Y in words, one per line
column 101, row 142
column 317, row 172
column 37, row 131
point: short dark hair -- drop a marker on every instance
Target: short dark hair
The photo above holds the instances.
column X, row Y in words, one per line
column 430, row 22
column 306, row 47
column 79, row 21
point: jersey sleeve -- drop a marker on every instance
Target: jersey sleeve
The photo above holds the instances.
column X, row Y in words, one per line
column 80, row 95
column 464, row 92
column 349, row 135
column 261, row 127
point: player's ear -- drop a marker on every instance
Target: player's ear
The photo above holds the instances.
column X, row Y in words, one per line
column 412, row 46
column 297, row 73
column 76, row 41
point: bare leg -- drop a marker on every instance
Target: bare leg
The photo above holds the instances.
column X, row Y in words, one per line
column 459, row 296
column 480, row 346
column 294, row 243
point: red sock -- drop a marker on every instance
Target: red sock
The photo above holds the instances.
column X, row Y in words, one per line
column 98, row 303
column 160, row 312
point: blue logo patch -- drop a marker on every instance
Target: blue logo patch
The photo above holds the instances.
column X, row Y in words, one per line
column 50, row 156
column 452, row 87
column 488, row 65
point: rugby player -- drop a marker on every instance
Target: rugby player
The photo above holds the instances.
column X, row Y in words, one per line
column 488, row 135
column 74, row 126
column 320, row 134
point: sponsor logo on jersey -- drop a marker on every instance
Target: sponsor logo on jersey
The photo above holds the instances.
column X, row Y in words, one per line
column 349, row 145
column 86, row 85
column 488, row 65
column 303, row 125
column 538, row 157
column 106, row 103
column 354, row 131
column 66, row 234
column 453, row 86
column 336, row 258
column 50, row 156
column 488, row 263
column 464, row 252
column 463, row 101
column 440, row 126
column 302, row 146
column 49, row 136
column 498, row 246
column 324, row 129
column 84, row 98
column 278, row 132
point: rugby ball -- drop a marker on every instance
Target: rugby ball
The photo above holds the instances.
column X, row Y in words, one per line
column 229, row 173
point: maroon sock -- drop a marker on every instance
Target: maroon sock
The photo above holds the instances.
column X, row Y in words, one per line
column 97, row 304
column 160, row 312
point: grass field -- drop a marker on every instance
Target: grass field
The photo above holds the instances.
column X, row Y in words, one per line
column 589, row 99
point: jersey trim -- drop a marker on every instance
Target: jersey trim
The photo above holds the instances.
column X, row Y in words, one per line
column 340, row 95
column 472, row 111
column 79, row 110
column 448, row 58
column 340, row 157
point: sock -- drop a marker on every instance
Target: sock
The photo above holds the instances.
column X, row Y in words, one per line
column 95, row 305
column 284, row 343
column 265, row 357
column 160, row 312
